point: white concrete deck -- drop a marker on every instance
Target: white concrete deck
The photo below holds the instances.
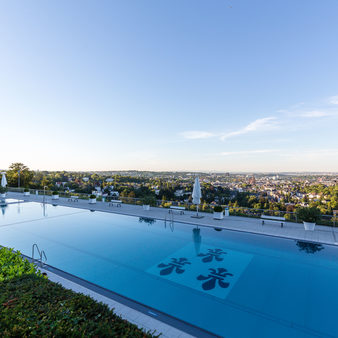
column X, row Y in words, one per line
column 321, row 234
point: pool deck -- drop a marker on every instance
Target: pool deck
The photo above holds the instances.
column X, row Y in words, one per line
column 321, row 234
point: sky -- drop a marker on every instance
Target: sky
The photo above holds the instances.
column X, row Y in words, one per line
column 221, row 85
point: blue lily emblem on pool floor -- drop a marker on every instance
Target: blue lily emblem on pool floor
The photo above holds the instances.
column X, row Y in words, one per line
column 212, row 253
column 219, row 275
column 176, row 264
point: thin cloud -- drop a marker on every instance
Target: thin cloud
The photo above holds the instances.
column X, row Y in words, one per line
column 266, row 123
column 292, row 108
column 315, row 113
column 263, row 124
column 248, row 152
column 310, row 153
column 333, row 99
column 195, row 135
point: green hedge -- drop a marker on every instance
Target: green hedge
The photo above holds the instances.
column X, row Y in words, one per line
column 12, row 265
column 33, row 306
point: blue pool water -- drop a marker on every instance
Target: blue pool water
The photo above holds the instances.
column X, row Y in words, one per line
column 230, row 283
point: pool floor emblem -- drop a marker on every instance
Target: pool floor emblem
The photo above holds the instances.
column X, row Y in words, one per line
column 212, row 253
column 176, row 264
column 212, row 271
column 215, row 275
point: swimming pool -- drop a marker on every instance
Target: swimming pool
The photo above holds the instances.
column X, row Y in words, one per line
column 229, row 283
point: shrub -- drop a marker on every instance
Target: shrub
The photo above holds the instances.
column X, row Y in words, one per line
column 13, row 265
column 92, row 197
column 311, row 215
column 55, row 193
column 218, row 208
column 26, row 190
column 149, row 200
column 33, row 306
column 2, row 189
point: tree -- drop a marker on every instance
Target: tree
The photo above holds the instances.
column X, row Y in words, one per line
column 46, row 183
column 124, row 193
column 12, row 173
column 131, row 194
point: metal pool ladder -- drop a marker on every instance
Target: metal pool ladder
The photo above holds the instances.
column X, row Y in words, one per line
column 41, row 253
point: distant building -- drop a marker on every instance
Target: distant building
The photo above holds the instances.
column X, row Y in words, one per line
column 179, row 193
column 252, row 180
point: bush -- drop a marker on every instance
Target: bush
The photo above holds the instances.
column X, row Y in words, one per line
column 55, row 193
column 149, row 200
column 92, row 197
column 193, row 207
column 13, row 265
column 310, row 215
column 218, row 208
column 2, row 189
column 33, row 306
column 26, row 190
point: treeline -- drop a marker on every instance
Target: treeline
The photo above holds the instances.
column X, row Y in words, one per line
column 326, row 197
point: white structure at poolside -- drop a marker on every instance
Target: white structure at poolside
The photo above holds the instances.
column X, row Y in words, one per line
column 3, row 185
column 197, row 194
column 3, row 180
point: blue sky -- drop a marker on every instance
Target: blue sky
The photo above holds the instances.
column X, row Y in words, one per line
column 241, row 85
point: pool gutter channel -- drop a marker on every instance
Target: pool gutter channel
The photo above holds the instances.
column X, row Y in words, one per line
column 149, row 311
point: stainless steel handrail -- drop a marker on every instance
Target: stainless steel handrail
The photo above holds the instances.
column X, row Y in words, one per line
column 41, row 253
